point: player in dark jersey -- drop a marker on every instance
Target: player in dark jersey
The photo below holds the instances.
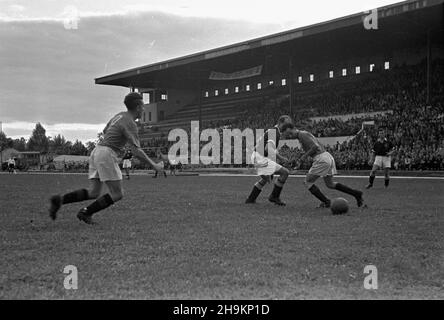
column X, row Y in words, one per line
column 323, row 166
column 104, row 164
column 381, row 158
column 264, row 159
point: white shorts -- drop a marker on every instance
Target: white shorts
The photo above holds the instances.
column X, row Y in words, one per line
column 104, row 164
column 263, row 165
column 383, row 162
column 323, row 165
column 126, row 164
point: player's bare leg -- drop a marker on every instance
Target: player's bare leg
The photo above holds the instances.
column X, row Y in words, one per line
column 309, row 182
column 386, row 177
column 57, row 201
column 343, row 188
column 278, row 186
column 115, row 194
column 257, row 188
column 372, row 176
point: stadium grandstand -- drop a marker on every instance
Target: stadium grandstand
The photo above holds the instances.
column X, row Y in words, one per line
column 339, row 79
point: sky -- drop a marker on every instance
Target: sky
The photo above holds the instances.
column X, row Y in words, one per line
column 52, row 50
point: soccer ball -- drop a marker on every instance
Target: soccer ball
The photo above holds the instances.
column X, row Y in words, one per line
column 339, row 206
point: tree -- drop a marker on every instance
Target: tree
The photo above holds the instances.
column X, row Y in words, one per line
column 19, row 144
column 68, row 147
column 5, row 142
column 100, row 137
column 38, row 140
column 90, row 145
column 58, row 145
column 78, row 149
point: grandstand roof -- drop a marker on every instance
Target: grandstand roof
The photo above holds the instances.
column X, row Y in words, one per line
column 403, row 24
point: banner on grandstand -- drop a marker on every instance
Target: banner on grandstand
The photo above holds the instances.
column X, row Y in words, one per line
column 247, row 73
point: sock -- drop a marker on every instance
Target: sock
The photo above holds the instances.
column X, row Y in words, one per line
column 101, row 203
column 278, row 186
column 371, row 179
column 276, row 191
column 75, row 196
column 318, row 194
column 348, row 190
column 386, row 182
column 257, row 188
column 254, row 193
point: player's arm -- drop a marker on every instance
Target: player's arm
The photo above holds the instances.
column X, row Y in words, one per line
column 106, row 127
column 371, row 159
column 141, row 155
column 392, row 150
column 310, row 153
column 133, row 139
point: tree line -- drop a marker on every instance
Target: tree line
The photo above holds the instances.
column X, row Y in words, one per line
column 38, row 141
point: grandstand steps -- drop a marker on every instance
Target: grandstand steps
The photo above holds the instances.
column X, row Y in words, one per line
column 222, row 109
column 164, row 129
column 217, row 110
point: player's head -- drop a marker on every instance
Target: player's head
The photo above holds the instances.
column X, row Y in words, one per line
column 288, row 130
column 134, row 103
column 381, row 133
column 284, row 120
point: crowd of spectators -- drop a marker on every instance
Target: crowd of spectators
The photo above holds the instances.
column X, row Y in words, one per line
column 415, row 127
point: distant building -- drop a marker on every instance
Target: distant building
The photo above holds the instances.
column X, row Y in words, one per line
column 29, row 158
column 24, row 159
column 8, row 153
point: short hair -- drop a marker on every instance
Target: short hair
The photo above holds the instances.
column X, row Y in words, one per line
column 284, row 118
column 287, row 126
column 131, row 100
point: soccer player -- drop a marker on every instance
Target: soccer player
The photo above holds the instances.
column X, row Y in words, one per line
column 380, row 157
column 172, row 165
column 161, row 156
column 11, row 165
column 127, row 162
column 103, row 163
column 323, row 166
column 266, row 167
column 163, row 172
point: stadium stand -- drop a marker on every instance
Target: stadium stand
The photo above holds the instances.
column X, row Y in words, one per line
column 332, row 78
column 414, row 126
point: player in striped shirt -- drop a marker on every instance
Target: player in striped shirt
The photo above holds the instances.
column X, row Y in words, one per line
column 104, row 163
column 323, row 166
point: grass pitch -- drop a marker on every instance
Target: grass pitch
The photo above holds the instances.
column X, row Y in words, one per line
column 194, row 238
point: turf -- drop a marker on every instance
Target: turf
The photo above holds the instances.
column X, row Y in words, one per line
column 194, row 238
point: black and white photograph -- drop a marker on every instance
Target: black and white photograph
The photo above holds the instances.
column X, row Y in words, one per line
column 219, row 156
